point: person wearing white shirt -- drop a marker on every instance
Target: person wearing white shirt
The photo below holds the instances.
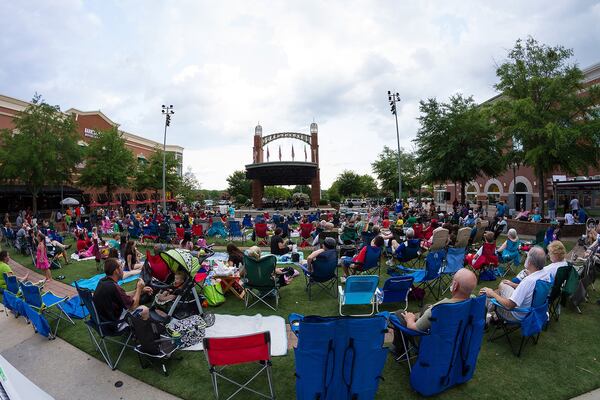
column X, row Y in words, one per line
column 569, row 219
column 512, row 295
column 556, row 251
column 574, row 205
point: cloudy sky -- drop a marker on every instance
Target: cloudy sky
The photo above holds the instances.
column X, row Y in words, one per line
column 227, row 65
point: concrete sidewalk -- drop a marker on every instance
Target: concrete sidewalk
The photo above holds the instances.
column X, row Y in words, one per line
column 64, row 371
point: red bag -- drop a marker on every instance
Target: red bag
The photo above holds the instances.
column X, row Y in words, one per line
column 417, row 293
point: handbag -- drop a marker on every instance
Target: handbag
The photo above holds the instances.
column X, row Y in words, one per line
column 214, row 294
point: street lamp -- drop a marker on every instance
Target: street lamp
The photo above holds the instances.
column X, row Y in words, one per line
column 394, row 98
column 167, row 112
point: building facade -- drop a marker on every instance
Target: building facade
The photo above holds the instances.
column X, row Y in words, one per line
column 88, row 124
column 518, row 186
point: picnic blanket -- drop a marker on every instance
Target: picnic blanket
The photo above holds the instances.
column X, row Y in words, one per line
column 92, row 282
column 223, row 257
column 238, row 325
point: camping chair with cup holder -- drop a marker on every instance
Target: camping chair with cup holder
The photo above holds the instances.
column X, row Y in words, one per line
column 260, row 281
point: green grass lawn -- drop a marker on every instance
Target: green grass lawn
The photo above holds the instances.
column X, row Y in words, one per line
column 565, row 362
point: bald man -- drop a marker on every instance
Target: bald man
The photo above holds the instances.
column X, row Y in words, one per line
column 463, row 283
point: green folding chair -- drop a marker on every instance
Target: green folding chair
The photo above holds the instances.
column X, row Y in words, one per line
column 260, row 281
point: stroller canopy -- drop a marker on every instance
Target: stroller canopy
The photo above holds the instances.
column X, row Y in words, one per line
column 180, row 258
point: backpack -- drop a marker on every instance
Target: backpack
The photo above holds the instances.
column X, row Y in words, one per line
column 416, row 293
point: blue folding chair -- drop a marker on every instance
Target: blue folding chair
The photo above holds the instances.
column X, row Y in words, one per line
column 366, row 238
column 324, row 274
column 11, row 297
column 44, row 305
column 359, row 290
column 454, row 260
column 396, row 290
column 106, row 331
column 339, row 358
column 217, row 228
column 447, row 354
column 285, row 228
column 235, row 230
column 428, row 278
column 530, row 320
column 372, row 263
column 247, row 221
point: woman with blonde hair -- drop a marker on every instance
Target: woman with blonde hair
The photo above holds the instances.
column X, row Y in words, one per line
column 557, row 253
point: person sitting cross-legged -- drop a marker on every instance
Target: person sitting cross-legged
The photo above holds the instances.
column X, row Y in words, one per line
column 463, row 284
column 111, row 301
column 512, row 295
column 278, row 245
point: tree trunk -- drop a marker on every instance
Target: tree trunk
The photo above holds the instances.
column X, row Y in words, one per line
column 541, row 188
column 34, row 195
column 463, row 198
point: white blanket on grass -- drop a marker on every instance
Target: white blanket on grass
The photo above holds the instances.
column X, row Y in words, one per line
column 75, row 257
column 238, row 325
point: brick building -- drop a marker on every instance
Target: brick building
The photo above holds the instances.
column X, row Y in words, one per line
column 88, row 123
column 489, row 190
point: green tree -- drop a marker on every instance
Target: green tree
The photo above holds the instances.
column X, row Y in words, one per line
column 456, row 143
column 108, row 162
column 386, row 170
column 277, row 192
column 368, row 186
column 544, row 113
column 239, row 184
column 189, row 187
column 150, row 173
column 42, row 150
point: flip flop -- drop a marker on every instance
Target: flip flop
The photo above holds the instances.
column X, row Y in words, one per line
column 60, row 277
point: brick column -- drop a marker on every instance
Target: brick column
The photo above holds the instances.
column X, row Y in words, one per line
column 258, row 190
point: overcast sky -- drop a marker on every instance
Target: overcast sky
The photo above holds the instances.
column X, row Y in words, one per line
column 227, row 65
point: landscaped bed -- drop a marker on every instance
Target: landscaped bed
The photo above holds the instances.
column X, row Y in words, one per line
column 565, row 362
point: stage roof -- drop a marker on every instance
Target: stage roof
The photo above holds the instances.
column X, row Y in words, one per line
column 283, row 172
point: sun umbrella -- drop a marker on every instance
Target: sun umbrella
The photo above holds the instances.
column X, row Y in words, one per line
column 69, row 201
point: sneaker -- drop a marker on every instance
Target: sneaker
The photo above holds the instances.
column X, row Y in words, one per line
column 343, row 279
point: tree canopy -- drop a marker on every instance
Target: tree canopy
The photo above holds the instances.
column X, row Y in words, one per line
column 455, row 141
column 349, row 183
column 385, row 168
column 109, row 163
column 42, row 150
column 149, row 175
column 239, row 184
column 542, row 108
column 189, row 187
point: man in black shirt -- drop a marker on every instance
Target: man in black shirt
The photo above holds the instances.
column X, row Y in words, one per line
column 111, row 301
column 278, row 245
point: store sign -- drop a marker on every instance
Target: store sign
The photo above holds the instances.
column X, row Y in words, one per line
column 90, row 133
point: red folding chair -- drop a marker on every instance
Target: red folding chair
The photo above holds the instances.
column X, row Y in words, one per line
column 260, row 231
column 223, row 352
column 180, row 232
column 306, row 234
column 197, row 231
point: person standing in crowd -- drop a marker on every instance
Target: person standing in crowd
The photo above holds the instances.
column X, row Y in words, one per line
column 551, row 208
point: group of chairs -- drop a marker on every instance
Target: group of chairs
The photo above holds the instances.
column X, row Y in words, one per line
column 41, row 309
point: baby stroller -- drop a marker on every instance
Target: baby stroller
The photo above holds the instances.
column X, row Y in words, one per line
column 154, row 274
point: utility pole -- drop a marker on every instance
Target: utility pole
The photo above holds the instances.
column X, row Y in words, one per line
column 393, row 99
column 167, row 112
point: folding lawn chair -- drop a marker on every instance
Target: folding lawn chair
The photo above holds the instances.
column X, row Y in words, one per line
column 228, row 351
column 44, row 304
column 439, row 239
column 463, row 236
column 359, row 290
column 447, row 354
column 366, row 238
column 260, row 281
column 152, row 340
column 180, row 232
column 324, row 275
column 217, row 228
column 260, row 233
column 235, row 230
column 454, row 260
column 531, row 324
column 285, row 228
column 247, row 221
column 372, row 263
column 409, row 254
column 12, row 298
column 197, row 231
column 324, row 235
column 339, row 358
column 564, row 286
column 106, row 331
column 428, row 278
column 306, row 234
column 396, row 290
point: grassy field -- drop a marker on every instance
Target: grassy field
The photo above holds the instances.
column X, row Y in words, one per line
column 565, row 362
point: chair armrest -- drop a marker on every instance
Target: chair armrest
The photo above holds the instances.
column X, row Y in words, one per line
column 395, row 321
column 341, row 292
column 516, row 309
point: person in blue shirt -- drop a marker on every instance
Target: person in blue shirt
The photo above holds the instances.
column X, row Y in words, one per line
column 581, row 215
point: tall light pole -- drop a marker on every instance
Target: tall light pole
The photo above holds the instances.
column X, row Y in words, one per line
column 167, row 111
column 393, row 99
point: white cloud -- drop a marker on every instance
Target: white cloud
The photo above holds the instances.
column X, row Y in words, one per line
column 225, row 66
